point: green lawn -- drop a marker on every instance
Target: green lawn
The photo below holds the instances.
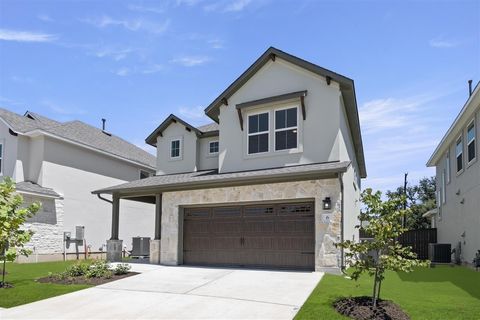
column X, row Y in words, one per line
column 26, row 289
column 436, row 293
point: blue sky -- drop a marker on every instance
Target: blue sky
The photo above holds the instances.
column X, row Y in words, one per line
column 135, row 62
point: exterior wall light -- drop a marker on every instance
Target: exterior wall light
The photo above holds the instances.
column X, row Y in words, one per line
column 327, row 203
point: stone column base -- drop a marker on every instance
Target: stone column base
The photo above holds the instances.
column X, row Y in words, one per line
column 155, row 251
column 114, row 250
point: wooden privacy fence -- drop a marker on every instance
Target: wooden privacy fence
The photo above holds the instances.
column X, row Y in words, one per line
column 419, row 240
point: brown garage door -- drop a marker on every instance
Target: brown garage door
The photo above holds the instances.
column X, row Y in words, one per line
column 267, row 235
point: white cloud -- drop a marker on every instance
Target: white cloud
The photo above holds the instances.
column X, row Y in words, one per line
column 21, row 79
column 122, row 72
column 140, row 8
column 44, row 17
column 63, row 109
column 138, row 24
column 153, row 69
column 191, row 61
column 25, row 36
column 115, row 54
column 195, row 113
column 189, row 3
column 440, row 42
column 237, row 5
column 216, row 43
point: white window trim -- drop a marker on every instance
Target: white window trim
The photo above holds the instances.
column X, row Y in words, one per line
column 448, row 166
column 444, row 193
column 180, row 151
column 2, row 157
column 258, row 133
column 474, row 141
column 275, row 130
column 459, row 172
column 213, row 153
column 439, row 201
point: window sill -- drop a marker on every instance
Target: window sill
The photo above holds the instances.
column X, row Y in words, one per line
column 469, row 164
column 273, row 153
column 175, row 159
column 212, row 155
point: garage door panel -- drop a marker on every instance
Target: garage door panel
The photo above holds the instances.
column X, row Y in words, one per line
column 266, row 235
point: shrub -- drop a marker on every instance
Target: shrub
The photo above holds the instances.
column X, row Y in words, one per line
column 122, row 268
column 77, row 270
column 99, row 269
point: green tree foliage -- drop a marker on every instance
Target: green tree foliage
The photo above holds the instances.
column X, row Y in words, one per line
column 381, row 220
column 13, row 215
column 420, row 199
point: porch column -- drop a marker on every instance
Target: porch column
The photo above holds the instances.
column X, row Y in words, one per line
column 114, row 245
column 155, row 244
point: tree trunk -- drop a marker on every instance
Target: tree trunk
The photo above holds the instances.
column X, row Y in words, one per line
column 4, row 265
column 375, row 283
column 378, row 289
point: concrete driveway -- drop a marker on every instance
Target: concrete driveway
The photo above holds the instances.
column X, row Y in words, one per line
column 161, row 292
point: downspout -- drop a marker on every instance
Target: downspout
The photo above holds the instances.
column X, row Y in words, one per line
column 342, row 262
column 104, row 199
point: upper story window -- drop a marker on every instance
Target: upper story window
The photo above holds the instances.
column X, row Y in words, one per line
column 213, row 147
column 144, row 174
column 471, row 152
column 258, row 134
column 1, row 158
column 447, row 166
column 459, row 154
column 286, row 129
column 444, row 198
column 175, row 148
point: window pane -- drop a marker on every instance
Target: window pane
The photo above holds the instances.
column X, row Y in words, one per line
column 471, row 133
column 253, row 144
column 280, row 140
column 263, row 143
column 213, row 147
column 471, row 151
column 253, row 124
column 291, row 139
column 1, row 150
column 292, row 117
column 459, row 148
column 280, row 119
column 459, row 163
column 263, row 122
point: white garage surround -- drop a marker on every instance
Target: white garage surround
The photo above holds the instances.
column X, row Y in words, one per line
column 327, row 222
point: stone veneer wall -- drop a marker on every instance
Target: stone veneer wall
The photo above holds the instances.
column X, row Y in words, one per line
column 47, row 226
column 327, row 223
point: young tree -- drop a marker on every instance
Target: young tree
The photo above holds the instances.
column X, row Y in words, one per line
column 12, row 216
column 382, row 221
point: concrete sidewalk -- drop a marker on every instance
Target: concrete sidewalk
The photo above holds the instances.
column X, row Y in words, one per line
column 161, row 292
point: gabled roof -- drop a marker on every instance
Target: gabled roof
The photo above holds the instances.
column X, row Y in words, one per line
column 208, row 130
column 79, row 133
column 211, row 178
column 346, row 86
column 29, row 187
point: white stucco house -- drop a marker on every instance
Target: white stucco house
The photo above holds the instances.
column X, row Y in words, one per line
column 457, row 217
column 273, row 182
column 59, row 164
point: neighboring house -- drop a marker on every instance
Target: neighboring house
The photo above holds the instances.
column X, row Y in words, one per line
column 274, row 182
column 457, row 217
column 58, row 164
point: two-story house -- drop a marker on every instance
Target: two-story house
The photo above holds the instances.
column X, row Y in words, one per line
column 457, row 217
column 59, row 164
column 273, row 182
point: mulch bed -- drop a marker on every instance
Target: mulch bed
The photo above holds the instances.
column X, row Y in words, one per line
column 83, row 280
column 360, row 308
column 6, row 285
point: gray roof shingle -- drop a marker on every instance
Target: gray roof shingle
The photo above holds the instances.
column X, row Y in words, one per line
column 211, row 178
column 209, row 127
column 79, row 132
column 31, row 187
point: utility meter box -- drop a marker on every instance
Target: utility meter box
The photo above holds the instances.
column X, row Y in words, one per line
column 79, row 233
column 67, row 236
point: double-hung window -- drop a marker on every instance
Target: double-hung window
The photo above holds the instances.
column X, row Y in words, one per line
column 258, row 136
column 447, row 166
column 213, row 147
column 286, row 129
column 175, row 148
column 471, row 152
column 459, row 154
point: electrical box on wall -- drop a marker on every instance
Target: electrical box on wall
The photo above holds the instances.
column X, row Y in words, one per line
column 79, row 233
column 67, row 236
